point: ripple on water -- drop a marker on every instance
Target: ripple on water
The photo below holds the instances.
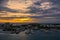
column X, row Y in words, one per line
column 35, row 35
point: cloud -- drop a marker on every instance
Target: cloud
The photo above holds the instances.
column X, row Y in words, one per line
column 49, row 10
column 41, row 6
column 8, row 10
column 3, row 2
column 5, row 9
column 40, row 10
column 46, row 5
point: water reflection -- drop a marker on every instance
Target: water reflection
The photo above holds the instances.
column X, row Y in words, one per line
column 51, row 34
column 23, row 36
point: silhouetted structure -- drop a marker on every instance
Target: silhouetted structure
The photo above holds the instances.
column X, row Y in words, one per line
column 14, row 28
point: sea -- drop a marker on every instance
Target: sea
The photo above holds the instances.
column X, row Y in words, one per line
column 51, row 34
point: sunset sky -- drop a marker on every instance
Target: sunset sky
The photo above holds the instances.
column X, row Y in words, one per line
column 30, row 11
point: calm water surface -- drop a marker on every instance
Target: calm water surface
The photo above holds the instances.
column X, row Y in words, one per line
column 35, row 35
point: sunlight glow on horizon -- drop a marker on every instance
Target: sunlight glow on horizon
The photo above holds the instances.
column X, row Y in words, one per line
column 18, row 20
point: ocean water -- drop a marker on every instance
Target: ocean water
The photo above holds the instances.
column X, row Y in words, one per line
column 34, row 35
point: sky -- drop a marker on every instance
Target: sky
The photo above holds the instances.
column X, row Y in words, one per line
column 30, row 11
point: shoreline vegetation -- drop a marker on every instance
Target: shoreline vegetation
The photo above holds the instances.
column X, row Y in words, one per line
column 17, row 27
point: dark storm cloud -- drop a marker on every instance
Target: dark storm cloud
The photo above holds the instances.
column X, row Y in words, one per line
column 53, row 12
column 57, row 16
column 34, row 10
column 3, row 1
column 56, row 2
column 35, row 7
column 37, row 3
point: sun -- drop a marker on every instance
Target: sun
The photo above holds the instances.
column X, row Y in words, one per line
column 22, row 20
